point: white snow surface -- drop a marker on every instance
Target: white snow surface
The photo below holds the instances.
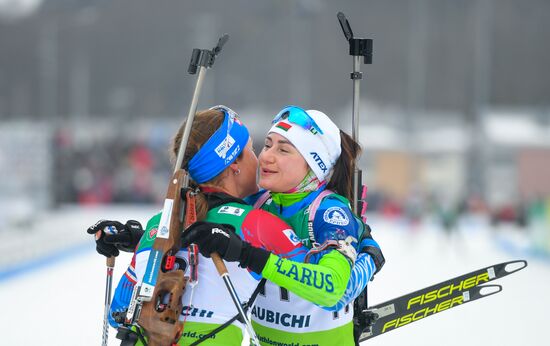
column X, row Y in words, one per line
column 62, row 302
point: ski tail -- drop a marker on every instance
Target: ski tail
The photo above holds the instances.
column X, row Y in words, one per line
column 389, row 319
column 507, row 268
column 433, row 299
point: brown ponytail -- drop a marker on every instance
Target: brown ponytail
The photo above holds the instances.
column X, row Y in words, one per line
column 341, row 181
column 204, row 125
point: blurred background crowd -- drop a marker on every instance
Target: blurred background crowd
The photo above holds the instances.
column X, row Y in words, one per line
column 455, row 110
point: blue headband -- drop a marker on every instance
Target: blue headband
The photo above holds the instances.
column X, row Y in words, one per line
column 221, row 149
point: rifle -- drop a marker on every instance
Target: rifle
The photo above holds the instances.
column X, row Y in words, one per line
column 156, row 303
column 358, row 48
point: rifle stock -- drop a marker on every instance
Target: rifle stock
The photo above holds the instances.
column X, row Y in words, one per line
column 160, row 315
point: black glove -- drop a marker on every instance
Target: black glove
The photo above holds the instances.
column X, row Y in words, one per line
column 370, row 246
column 221, row 238
column 122, row 237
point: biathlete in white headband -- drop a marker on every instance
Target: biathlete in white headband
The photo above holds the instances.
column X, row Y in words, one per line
column 306, row 170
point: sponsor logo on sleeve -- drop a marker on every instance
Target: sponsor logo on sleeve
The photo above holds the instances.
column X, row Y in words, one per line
column 292, row 236
column 152, row 233
column 231, row 210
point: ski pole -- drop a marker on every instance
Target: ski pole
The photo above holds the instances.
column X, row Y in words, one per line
column 222, row 271
column 109, row 282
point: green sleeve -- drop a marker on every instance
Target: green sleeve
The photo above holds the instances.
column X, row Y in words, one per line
column 150, row 233
column 322, row 284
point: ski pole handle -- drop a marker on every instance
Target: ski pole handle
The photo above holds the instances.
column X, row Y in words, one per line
column 110, row 262
column 218, row 262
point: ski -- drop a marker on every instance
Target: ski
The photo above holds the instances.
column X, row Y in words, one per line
column 445, row 295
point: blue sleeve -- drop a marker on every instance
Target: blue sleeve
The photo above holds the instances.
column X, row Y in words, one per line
column 361, row 273
column 334, row 220
column 121, row 298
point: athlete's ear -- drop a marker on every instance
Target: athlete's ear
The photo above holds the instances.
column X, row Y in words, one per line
column 234, row 167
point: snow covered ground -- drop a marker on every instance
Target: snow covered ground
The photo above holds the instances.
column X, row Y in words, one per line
column 59, row 299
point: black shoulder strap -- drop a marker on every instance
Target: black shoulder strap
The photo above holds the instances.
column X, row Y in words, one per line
column 246, row 305
column 215, row 199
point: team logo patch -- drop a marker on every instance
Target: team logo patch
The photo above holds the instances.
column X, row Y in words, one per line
column 336, row 216
column 224, row 146
column 152, row 233
column 292, row 236
column 231, row 210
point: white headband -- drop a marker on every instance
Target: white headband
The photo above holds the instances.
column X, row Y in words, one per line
column 319, row 150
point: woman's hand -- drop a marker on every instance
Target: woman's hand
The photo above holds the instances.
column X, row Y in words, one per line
column 221, row 238
column 112, row 236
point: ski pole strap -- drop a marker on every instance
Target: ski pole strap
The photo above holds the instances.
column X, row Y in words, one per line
column 246, row 305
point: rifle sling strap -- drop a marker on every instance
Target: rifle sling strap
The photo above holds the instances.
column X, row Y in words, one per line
column 215, row 199
column 246, row 305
